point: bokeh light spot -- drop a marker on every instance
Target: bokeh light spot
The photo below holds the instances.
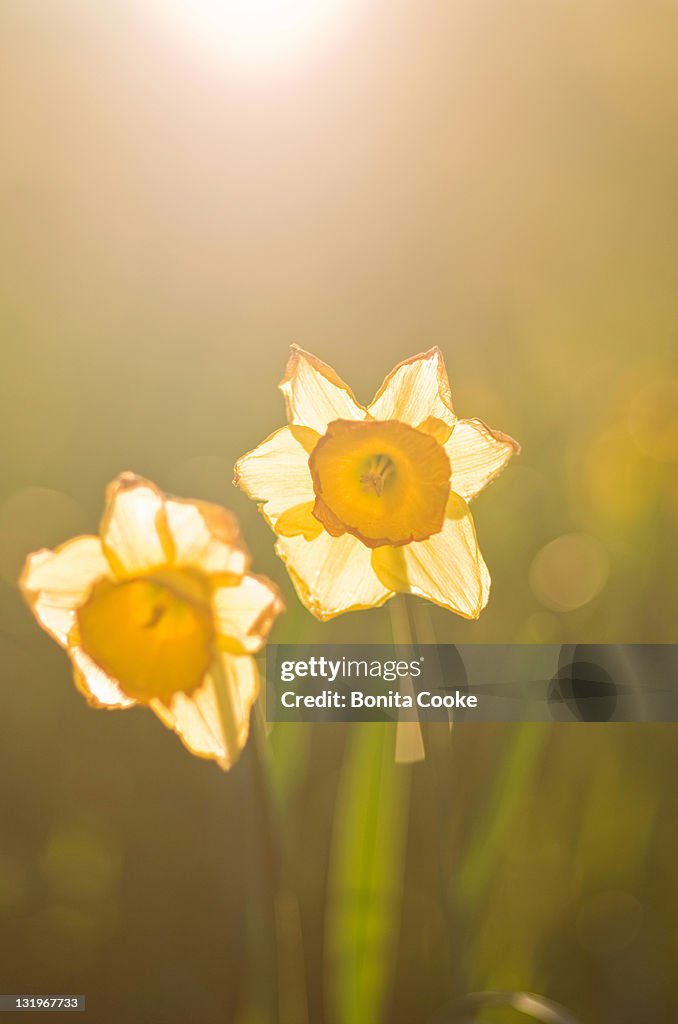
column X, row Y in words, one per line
column 569, row 572
column 540, row 628
column 620, row 481
column 653, row 420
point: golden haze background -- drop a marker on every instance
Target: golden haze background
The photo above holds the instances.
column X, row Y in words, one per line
column 496, row 179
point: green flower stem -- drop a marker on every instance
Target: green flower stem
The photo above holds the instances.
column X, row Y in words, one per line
column 291, row 969
column 436, row 738
column 277, row 921
column 366, row 872
column 409, row 745
column 263, row 853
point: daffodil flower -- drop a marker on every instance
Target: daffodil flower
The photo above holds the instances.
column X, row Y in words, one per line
column 369, row 502
column 160, row 610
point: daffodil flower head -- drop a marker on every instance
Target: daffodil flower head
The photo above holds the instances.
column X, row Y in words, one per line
column 369, row 502
column 160, row 610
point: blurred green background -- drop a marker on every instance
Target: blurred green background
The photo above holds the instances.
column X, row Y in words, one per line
column 498, row 179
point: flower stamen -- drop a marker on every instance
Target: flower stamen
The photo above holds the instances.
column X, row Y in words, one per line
column 379, row 471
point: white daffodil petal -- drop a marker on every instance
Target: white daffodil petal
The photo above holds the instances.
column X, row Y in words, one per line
column 133, row 529
column 245, row 612
column 205, row 536
column 97, row 686
column 477, row 455
column 276, row 474
column 56, row 583
column 332, row 574
column 415, row 390
column 314, row 394
column 447, row 569
column 214, row 724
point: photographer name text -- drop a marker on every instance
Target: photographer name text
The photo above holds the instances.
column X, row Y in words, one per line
column 357, row 699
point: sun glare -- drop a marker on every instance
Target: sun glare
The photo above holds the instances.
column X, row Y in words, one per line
column 258, row 35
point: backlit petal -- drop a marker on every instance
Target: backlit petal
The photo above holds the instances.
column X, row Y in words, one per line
column 205, row 536
column 299, row 521
column 245, row 612
column 332, row 574
column 415, row 390
column 314, row 394
column 447, row 569
column 477, row 455
column 56, row 583
column 133, row 529
column 276, row 474
column 198, row 718
column 99, row 689
column 436, row 428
